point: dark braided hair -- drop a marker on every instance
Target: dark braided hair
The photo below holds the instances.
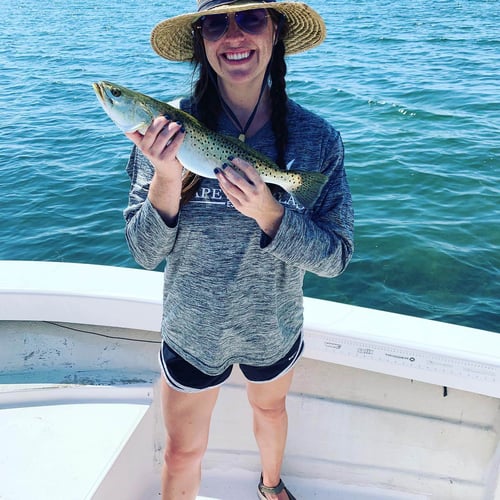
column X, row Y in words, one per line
column 279, row 98
column 208, row 105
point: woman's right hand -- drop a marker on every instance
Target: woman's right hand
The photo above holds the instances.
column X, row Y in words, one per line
column 160, row 145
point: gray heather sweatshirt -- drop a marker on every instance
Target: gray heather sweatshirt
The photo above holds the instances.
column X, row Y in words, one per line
column 231, row 294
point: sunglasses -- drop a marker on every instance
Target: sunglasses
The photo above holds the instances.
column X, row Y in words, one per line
column 214, row 26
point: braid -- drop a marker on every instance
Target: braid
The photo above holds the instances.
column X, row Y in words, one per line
column 279, row 112
column 279, row 104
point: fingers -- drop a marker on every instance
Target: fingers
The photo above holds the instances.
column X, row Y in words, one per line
column 236, row 186
column 240, row 174
column 135, row 137
column 240, row 182
column 250, row 195
column 248, row 170
column 161, row 140
column 160, row 135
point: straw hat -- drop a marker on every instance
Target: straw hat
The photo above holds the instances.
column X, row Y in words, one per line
column 173, row 38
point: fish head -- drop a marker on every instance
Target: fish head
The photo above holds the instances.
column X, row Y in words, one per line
column 129, row 110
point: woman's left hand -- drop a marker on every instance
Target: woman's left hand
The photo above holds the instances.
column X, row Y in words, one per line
column 250, row 195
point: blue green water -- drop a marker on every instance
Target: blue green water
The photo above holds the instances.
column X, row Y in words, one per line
column 413, row 86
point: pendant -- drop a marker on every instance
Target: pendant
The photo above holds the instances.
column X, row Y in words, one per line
column 241, row 137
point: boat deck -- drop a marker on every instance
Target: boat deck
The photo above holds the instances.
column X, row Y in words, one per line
column 77, row 442
column 243, row 486
column 383, row 406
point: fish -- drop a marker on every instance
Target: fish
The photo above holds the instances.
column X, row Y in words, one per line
column 202, row 149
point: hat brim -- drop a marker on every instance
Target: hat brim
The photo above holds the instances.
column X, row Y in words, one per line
column 173, row 38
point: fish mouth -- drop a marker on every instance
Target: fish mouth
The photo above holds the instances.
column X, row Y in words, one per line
column 98, row 90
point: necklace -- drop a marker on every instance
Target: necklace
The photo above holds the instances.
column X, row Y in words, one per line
column 229, row 112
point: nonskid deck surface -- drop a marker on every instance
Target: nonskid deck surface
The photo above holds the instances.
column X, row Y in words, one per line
column 242, row 485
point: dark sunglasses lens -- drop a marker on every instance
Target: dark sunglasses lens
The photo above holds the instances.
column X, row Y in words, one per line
column 252, row 21
column 214, row 26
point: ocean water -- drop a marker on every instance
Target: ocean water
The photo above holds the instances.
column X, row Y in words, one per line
column 412, row 85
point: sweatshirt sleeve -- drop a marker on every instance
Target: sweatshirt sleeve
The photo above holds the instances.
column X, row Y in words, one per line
column 149, row 239
column 319, row 240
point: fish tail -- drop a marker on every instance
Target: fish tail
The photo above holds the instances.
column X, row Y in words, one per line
column 308, row 191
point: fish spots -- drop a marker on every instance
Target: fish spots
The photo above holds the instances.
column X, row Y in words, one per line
column 202, row 149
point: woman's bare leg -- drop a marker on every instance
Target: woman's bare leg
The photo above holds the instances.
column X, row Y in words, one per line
column 268, row 402
column 187, row 422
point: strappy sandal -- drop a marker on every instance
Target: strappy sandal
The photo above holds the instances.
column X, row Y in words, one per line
column 262, row 490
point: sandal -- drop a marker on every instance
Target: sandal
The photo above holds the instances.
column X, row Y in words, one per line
column 262, row 490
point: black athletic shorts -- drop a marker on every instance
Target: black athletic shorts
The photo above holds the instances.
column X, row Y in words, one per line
column 184, row 377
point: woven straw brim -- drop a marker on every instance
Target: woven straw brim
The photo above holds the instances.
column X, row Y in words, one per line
column 173, row 38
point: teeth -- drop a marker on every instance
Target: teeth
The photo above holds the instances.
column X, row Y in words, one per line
column 238, row 56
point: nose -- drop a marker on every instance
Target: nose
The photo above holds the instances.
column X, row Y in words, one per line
column 233, row 30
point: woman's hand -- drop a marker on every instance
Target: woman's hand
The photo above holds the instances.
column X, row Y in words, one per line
column 160, row 145
column 249, row 194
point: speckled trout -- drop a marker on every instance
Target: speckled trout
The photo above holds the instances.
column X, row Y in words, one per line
column 202, row 150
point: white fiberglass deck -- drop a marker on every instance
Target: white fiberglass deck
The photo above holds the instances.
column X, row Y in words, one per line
column 76, row 443
column 61, row 451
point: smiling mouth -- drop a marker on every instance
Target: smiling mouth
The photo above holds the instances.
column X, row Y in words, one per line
column 238, row 56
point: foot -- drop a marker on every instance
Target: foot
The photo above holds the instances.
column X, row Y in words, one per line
column 282, row 496
column 279, row 492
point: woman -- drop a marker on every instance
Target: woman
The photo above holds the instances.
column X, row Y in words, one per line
column 236, row 249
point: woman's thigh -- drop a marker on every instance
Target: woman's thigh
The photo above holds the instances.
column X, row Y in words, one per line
column 187, row 417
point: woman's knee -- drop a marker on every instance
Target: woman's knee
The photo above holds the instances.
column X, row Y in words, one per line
column 274, row 408
column 269, row 399
column 183, row 456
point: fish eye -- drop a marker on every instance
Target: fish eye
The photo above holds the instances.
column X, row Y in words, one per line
column 116, row 92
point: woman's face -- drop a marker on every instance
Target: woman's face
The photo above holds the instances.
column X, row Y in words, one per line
column 239, row 57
